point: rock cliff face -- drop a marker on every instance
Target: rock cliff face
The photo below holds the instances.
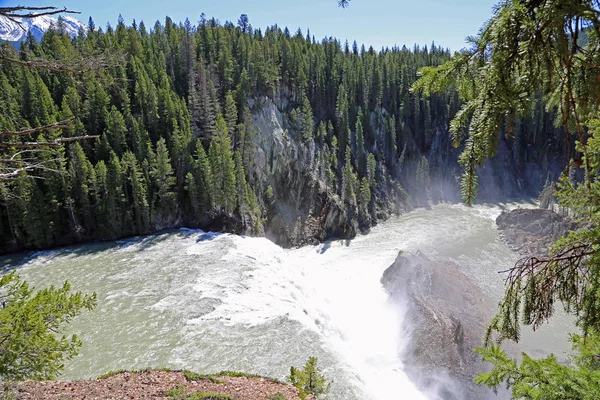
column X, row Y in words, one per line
column 447, row 315
column 533, row 231
column 302, row 209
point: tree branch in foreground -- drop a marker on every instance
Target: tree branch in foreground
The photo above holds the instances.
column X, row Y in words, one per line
column 16, row 13
column 535, row 284
column 72, row 66
column 25, row 160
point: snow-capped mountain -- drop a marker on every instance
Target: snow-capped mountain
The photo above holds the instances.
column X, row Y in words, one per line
column 12, row 32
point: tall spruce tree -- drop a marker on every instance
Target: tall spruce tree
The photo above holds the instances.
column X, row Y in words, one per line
column 223, row 169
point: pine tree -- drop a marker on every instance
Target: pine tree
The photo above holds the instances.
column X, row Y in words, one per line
column 372, row 171
column 349, row 181
column 202, row 108
column 204, row 178
column 364, row 196
column 231, row 115
column 242, row 201
column 342, row 121
column 164, row 205
column 423, row 180
column 116, row 131
column 33, row 342
column 137, row 188
column 114, row 196
column 223, row 168
column 360, row 148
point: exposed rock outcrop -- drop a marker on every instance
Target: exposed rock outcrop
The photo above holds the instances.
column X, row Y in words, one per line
column 302, row 209
column 533, row 231
column 447, row 314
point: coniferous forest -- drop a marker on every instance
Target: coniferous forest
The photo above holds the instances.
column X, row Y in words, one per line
column 180, row 117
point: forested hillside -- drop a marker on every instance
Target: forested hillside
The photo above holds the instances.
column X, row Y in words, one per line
column 228, row 127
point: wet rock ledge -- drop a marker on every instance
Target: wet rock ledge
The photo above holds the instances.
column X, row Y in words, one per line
column 533, row 231
column 446, row 314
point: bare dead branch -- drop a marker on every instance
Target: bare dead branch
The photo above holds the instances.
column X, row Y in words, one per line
column 57, row 125
column 76, row 66
column 15, row 14
column 9, row 172
column 74, row 138
column 54, row 143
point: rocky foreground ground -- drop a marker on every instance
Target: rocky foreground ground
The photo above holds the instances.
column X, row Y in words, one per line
column 174, row 385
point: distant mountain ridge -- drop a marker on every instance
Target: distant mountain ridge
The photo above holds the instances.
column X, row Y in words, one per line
column 11, row 31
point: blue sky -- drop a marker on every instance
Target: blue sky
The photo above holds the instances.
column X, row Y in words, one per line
column 372, row 22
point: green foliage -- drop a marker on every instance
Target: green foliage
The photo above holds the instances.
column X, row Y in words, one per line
column 364, row 197
column 193, row 376
column 180, row 394
column 276, row 396
column 137, row 371
column 527, row 51
column 508, row 67
column 33, row 342
column 161, row 171
column 112, row 373
column 309, row 380
column 423, row 180
column 372, row 170
column 223, row 168
column 546, row 378
column 349, row 180
column 182, row 92
column 269, row 193
column 237, row 374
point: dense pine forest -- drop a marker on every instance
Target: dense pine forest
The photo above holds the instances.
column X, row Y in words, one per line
column 226, row 127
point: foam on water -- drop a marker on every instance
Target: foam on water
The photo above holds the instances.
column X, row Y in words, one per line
column 207, row 302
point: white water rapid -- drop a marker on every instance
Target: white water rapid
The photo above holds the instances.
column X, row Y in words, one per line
column 208, row 302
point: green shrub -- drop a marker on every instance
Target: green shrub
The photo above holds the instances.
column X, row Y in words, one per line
column 34, row 343
column 193, row 376
column 309, row 380
column 180, row 394
column 236, row 374
column 276, row 396
column 137, row 371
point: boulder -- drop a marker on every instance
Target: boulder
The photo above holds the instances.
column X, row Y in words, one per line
column 533, row 231
column 446, row 314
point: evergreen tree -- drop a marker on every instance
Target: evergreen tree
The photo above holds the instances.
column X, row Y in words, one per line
column 223, row 168
column 136, row 188
column 349, row 180
column 360, row 148
column 364, row 197
column 371, row 171
column 231, row 115
column 423, row 180
column 204, row 178
column 161, row 172
column 33, row 339
column 496, row 77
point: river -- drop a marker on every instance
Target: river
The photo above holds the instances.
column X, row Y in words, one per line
column 209, row 302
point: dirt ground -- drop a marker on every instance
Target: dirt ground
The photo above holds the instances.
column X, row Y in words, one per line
column 152, row 385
